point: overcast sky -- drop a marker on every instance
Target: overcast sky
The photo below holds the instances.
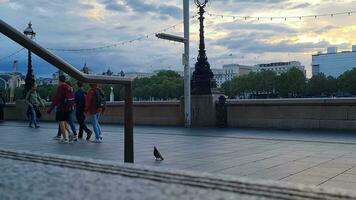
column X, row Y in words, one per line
column 74, row 24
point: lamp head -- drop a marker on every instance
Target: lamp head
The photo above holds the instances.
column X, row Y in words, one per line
column 29, row 31
column 201, row 3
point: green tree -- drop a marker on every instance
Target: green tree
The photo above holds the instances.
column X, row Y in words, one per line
column 347, row 82
column 292, row 83
column 163, row 85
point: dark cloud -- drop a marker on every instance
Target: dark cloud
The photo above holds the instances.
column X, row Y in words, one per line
column 140, row 6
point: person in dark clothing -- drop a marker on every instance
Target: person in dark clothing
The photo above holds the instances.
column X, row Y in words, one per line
column 2, row 106
column 80, row 95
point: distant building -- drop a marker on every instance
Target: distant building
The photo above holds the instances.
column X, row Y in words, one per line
column 86, row 69
column 280, row 67
column 138, row 74
column 46, row 81
column 108, row 73
column 6, row 78
column 226, row 73
column 333, row 63
column 229, row 71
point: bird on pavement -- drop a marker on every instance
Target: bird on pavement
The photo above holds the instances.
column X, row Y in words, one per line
column 157, row 154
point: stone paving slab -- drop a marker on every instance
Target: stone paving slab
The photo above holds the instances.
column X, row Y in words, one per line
column 288, row 156
column 27, row 175
column 23, row 180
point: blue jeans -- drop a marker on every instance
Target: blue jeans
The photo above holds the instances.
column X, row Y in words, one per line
column 33, row 116
column 96, row 125
column 71, row 123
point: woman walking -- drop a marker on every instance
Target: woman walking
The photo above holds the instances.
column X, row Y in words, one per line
column 34, row 102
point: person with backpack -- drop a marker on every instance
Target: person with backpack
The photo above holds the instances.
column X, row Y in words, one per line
column 34, row 102
column 95, row 106
column 80, row 95
column 2, row 106
column 64, row 104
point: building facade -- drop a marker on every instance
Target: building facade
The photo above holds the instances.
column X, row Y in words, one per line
column 280, row 67
column 333, row 63
column 229, row 71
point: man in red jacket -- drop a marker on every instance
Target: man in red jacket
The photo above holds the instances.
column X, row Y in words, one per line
column 63, row 107
column 95, row 106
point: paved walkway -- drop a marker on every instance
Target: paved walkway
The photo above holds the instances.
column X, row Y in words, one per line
column 308, row 157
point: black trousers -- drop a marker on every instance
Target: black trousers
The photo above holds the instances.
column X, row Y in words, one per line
column 1, row 113
column 81, row 121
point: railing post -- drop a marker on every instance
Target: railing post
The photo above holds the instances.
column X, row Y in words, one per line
column 128, row 136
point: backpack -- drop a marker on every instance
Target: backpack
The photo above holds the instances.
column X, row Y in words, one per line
column 69, row 99
column 99, row 100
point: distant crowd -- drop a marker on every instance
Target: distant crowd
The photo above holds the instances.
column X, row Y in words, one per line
column 67, row 103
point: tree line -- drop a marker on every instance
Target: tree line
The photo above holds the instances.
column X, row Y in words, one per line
column 165, row 85
column 292, row 84
column 168, row 85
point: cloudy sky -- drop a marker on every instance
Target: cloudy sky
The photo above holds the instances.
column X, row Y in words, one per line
column 77, row 24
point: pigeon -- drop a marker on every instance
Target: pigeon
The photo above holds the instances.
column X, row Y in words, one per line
column 157, row 154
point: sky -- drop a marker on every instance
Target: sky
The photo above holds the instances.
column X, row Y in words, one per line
column 78, row 24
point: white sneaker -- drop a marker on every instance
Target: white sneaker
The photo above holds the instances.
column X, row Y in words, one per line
column 73, row 138
column 97, row 141
column 64, row 141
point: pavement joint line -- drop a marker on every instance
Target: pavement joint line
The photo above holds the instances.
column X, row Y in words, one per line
column 308, row 168
column 263, row 190
column 262, row 151
column 336, row 175
column 242, row 164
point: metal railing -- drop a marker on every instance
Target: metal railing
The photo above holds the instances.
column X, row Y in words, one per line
column 59, row 63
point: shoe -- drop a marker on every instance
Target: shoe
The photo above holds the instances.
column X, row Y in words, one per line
column 57, row 137
column 30, row 126
column 96, row 140
column 64, row 141
column 73, row 138
column 37, row 126
column 89, row 135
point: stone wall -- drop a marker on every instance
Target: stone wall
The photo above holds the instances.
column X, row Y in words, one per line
column 331, row 114
column 145, row 113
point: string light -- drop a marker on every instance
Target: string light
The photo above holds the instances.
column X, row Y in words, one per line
column 122, row 42
column 271, row 18
column 12, row 54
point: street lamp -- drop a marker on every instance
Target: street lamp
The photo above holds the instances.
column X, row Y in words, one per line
column 30, row 78
column 202, row 79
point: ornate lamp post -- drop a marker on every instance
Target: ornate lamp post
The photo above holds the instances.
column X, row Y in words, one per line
column 30, row 78
column 202, row 76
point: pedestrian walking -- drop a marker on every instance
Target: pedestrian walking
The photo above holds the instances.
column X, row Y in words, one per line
column 80, row 95
column 34, row 102
column 2, row 106
column 64, row 104
column 72, row 136
column 95, row 106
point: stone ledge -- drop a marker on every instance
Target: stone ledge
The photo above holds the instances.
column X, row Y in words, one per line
column 296, row 101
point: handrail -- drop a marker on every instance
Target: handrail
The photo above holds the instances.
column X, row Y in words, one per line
column 56, row 61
